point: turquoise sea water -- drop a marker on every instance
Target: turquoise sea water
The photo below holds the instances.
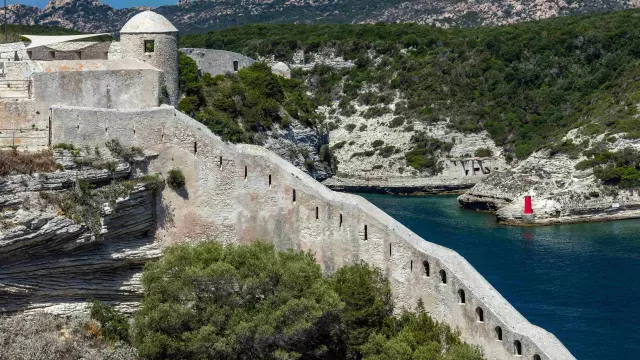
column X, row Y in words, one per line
column 581, row 282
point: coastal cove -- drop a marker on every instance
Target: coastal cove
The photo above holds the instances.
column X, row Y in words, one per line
column 577, row 281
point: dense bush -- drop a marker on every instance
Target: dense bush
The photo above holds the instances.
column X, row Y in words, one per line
column 113, row 325
column 176, row 179
column 526, row 84
column 483, row 152
column 254, row 302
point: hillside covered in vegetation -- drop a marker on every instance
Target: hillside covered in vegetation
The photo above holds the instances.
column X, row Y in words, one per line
column 527, row 85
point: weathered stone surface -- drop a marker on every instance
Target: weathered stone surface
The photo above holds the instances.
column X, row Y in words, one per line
column 561, row 194
column 47, row 259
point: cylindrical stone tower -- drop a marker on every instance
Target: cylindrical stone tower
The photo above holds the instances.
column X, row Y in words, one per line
column 151, row 38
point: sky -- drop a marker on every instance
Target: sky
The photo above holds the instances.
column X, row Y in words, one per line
column 114, row 3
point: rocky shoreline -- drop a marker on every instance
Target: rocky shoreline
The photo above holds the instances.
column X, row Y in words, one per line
column 410, row 190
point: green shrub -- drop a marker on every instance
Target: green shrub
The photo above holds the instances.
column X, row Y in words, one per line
column 254, row 302
column 339, row 145
column 176, row 179
column 350, row 127
column 483, row 152
column 397, row 122
column 114, row 325
column 387, row 151
column 362, row 127
column 377, row 143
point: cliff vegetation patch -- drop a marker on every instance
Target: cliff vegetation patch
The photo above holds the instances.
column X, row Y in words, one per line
column 13, row 162
column 238, row 107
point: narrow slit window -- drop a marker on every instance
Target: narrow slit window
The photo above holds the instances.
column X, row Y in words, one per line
column 517, row 348
column 479, row 315
column 149, row 46
column 366, row 233
column 220, row 162
column 269, row 180
column 195, row 147
column 411, row 266
column 294, row 195
column 389, row 250
column 340, row 220
column 317, row 213
column 236, row 66
column 443, row 276
column 425, row 264
column 461, row 297
column 499, row 333
column 245, row 172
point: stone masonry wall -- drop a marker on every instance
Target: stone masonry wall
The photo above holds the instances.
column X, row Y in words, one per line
column 239, row 193
column 217, row 62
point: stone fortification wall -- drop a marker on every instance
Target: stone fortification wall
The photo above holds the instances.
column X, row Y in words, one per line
column 75, row 50
column 239, row 193
column 217, row 62
column 114, row 84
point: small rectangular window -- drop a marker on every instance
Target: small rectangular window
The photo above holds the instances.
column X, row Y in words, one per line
column 79, row 54
column 149, row 46
column 30, row 54
column 52, row 54
column 236, row 66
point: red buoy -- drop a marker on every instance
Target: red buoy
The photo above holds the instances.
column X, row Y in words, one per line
column 528, row 209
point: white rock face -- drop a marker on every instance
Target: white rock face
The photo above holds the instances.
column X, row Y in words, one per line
column 281, row 69
column 560, row 193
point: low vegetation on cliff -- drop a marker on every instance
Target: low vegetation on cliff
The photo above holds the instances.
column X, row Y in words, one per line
column 526, row 84
column 239, row 107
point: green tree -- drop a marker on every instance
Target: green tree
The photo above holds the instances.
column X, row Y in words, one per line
column 237, row 302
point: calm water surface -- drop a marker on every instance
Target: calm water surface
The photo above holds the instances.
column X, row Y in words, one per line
column 579, row 282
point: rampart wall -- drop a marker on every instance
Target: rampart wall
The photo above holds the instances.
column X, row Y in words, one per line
column 218, row 62
column 239, row 193
column 35, row 86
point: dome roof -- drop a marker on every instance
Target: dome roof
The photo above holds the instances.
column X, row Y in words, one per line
column 148, row 22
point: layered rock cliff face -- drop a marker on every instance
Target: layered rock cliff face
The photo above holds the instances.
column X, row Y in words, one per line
column 560, row 192
column 50, row 262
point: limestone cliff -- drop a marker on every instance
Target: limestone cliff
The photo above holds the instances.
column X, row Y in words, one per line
column 51, row 262
column 560, row 192
column 371, row 143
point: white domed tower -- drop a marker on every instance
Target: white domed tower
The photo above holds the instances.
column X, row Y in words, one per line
column 151, row 38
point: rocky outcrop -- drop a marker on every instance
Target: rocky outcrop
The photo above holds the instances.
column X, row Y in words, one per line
column 191, row 16
column 51, row 262
column 560, row 193
column 302, row 146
